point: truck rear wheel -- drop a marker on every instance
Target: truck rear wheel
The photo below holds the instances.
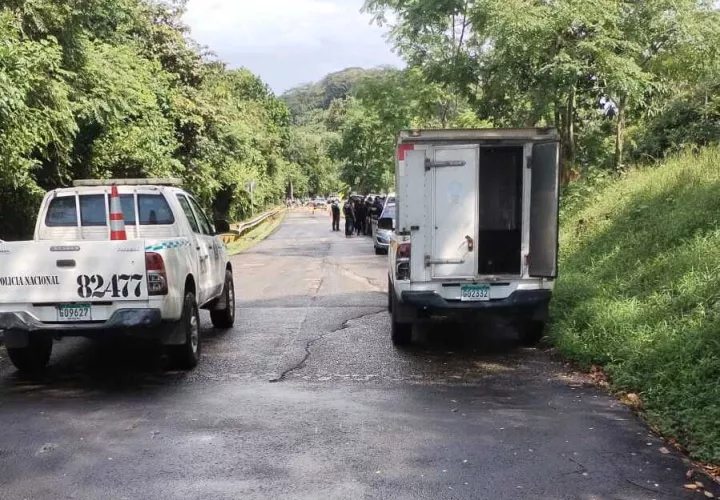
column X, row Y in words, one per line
column 400, row 332
column 33, row 358
column 531, row 332
column 186, row 356
column 391, row 293
column 225, row 318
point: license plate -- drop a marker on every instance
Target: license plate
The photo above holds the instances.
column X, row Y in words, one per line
column 472, row 293
column 74, row 312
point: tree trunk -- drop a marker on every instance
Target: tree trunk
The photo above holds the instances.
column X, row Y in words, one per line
column 570, row 123
column 620, row 133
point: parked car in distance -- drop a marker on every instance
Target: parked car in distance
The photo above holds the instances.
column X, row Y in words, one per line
column 383, row 228
column 319, row 202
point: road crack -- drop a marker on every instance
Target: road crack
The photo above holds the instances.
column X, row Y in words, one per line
column 311, row 342
column 371, row 283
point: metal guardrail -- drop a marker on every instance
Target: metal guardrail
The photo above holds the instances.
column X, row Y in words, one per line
column 238, row 230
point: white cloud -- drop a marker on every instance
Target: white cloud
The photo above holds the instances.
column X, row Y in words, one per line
column 289, row 41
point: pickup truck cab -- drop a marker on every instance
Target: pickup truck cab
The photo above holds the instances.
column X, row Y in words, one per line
column 73, row 280
column 476, row 227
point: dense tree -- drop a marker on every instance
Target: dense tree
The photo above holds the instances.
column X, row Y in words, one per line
column 107, row 88
column 572, row 64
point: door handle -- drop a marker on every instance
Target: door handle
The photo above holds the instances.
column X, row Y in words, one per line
column 429, row 261
column 470, row 243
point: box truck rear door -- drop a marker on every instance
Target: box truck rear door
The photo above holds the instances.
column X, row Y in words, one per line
column 455, row 205
column 544, row 197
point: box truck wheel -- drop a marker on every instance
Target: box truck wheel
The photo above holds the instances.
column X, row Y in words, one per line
column 531, row 332
column 187, row 355
column 391, row 293
column 33, row 358
column 400, row 331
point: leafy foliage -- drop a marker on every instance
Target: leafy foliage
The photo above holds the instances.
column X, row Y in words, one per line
column 571, row 64
column 639, row 291
column 105, row 88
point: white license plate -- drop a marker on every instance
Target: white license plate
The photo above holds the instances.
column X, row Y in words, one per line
column 474, row 293
column 74, row 312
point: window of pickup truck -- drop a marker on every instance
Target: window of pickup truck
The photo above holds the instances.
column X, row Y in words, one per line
column 153, row 210
column 188, row 213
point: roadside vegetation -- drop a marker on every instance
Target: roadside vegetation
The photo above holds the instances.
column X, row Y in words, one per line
column 257, row 234
column 640, row 292
column 115, row 89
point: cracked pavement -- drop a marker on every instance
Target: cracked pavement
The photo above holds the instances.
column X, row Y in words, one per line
column 463, row 414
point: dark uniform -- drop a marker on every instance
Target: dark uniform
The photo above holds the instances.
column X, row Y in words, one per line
column 349, row 219
column 359, row 217
column 335, row 216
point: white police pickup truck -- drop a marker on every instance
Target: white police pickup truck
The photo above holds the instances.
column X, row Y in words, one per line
column 73, row 280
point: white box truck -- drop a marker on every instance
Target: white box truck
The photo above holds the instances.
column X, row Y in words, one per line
column 476, row 227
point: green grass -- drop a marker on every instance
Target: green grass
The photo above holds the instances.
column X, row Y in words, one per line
column 256, row 235
column 639, row 292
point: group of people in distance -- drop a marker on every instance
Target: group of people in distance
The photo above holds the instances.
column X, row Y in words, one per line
column 357, row 212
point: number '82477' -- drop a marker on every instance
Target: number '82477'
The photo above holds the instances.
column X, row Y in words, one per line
column 119, row 285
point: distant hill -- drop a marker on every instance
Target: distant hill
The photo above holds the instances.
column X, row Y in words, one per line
column 307, row 98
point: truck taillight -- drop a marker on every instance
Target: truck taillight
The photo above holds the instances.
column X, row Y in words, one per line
column 156, row 275
column 403, row 251
column 402, row 262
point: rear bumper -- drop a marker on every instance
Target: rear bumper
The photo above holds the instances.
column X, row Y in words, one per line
column 120, row 319
column 527, row 303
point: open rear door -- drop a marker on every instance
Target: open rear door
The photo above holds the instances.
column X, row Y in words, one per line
column 544, row 199
column 455, row 206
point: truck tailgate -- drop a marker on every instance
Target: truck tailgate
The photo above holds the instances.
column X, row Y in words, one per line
column 52, row 272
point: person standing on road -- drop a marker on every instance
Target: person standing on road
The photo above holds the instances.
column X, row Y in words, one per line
column 335, row 208
column 349, row 218
column 359, row 217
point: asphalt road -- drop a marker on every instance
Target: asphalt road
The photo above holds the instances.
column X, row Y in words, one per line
column 306, row 398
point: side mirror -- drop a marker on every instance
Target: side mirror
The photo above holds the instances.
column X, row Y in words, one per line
column 222, row 226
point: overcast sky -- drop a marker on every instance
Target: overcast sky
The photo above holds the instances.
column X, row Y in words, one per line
column 289, row 42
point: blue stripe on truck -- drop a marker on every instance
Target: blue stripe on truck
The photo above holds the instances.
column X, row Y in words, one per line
column 167, row 245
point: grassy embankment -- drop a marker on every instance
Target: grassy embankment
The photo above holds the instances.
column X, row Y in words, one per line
column 256, row 235
column 639, row 293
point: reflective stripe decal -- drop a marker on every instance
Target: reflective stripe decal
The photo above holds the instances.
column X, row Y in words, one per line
column 167, row 245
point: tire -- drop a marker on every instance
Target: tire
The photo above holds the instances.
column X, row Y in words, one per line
column 400, row 332
column 391, row 293
column 531, row 332
column 379, row 251
column 186, row 356
column 225, row 318
column 34, row 358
